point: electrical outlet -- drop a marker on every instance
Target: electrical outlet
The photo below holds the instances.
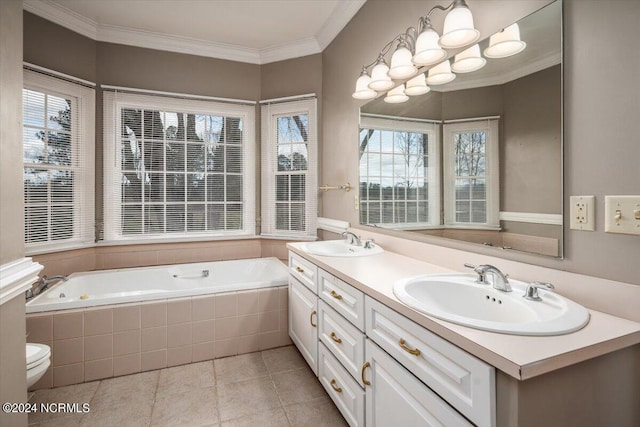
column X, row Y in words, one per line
column 582, row 213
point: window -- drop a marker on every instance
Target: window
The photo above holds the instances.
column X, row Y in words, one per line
column 58, row 157
column 471, row 188
column 398, row 172
column 177, row 168
column 289, row 169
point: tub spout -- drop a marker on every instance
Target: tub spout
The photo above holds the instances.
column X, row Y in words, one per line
column 205, row 273
column 42, row 284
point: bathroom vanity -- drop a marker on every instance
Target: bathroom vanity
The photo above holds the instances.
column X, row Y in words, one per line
column 384, row 363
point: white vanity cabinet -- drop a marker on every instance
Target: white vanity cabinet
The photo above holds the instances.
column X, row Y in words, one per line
column 380, row 368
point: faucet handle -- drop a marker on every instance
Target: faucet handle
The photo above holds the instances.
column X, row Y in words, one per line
column 368, row 244
column 481, row 270
column 531, row 293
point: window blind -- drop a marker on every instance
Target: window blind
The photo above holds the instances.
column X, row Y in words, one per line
column 58, row 157
column 177, row 168
column 289, row 169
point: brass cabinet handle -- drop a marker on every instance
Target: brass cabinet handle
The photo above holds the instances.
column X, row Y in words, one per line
column 299, row 269
column 311, row 318
column 335, row 387
column 365, row 381
column 335, row 295
column 403, row 345
column 335, row 338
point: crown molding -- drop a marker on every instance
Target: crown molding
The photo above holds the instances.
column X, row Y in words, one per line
column 67, row 18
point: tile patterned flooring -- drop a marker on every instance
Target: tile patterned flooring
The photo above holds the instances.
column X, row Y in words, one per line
column 269, row 388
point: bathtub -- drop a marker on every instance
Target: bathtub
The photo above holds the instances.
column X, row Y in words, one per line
column 130, row 285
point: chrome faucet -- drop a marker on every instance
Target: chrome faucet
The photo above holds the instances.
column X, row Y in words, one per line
column 42, row 284
column 352, row 238
column 500, row 280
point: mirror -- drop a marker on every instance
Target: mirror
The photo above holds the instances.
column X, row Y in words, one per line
column 478, row 159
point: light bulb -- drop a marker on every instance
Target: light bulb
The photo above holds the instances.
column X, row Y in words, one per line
column 458, row 28
column 440, row 74
column 401, row 65
column 505, row 43
column 417, row 86
column 468, row 60
column 428, row 51
column 362, row 87
column 396, row 95
column 380, row 80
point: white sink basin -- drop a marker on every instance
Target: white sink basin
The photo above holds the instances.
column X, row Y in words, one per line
column 340, row 248
column 459, row 299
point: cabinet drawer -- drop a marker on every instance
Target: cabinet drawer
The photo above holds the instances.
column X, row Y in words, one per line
column 394, row 397
column 466, row 382
column 344, row 340
column 343, row 390
column 344, row 298
column 304, row 271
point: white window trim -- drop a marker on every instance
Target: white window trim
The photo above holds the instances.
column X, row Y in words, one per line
column 269, row 116
column 490, row 126
column 113, row 103
column 433, row 168
column 83, row 194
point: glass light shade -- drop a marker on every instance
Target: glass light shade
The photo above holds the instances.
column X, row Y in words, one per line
column 396, row 95
column 428, row 51
column 458, row 29
column 401, row 65
column 417, row 85
column 380, row 80
column 440, row 74
column 468, row 60
column 362, row 88
column 505, row 43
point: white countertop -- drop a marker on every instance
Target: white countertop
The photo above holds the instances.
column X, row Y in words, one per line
column 521, row 357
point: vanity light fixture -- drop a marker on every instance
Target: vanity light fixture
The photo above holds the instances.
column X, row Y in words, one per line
column 505, row 43
column 419, row 47
column 417, row 86
column 362, row 87
column 468, row 60
column 396, row 95
column 440, row 74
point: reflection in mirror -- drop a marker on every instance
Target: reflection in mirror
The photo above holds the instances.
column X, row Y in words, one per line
column 478, row 159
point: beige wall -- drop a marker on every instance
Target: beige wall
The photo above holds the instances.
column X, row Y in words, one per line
column 601, row 103
column 13, row 381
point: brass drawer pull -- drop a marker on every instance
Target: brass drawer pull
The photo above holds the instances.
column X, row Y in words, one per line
column 299, row 269
column 336, row 295
column 403, row 345
column 313, row 313
column 365, row 381
column 335, row 338
column 335, row 387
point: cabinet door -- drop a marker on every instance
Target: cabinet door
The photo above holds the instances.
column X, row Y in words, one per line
column 396, row 398
column 303, row 321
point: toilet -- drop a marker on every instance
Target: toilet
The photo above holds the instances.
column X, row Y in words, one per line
column 38, row 360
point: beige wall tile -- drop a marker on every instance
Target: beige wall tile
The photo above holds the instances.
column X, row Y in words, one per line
column 153, row 314
column 98, row 369
column 67, row 326
column 269, row 340
column 269, row 299
column 284, row 320
column 179, row 356
column 166, row 257
column 127, row 342
column 213, row 253
column 125, row 365
column 98, row 347
column 98, row 322
column 226, row 305
column 270, row 321
column 203, row 308
column 66, row 352
column 39, row 329
column 246, row 250
column 153, row 360
column 126, row 318
column 179, row 311
column 248, row 324
column 248, row 302
column 226, row 348
column 203, row 351
column 179, row 335
column 202, row 331
column 226, row 328
column 148, row 258
column 153, row 338
column 248, row 344
column 69, row 374
column 283, row 297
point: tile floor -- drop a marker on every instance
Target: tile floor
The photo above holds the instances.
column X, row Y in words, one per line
column 269, row 388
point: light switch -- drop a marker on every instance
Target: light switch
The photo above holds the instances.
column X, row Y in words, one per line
column 622, row 214
column 582, row 213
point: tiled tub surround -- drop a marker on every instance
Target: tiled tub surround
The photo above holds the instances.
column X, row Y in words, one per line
column 101, row 342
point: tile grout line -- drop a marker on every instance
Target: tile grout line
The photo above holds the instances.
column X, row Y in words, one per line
column 275, row 388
